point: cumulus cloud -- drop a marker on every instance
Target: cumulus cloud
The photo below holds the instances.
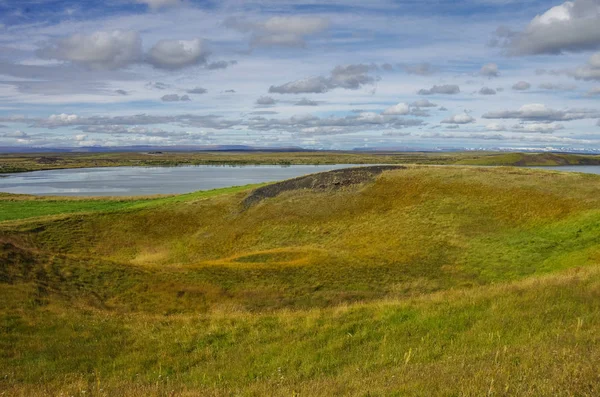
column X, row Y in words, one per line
column 100, row 50
column 421, row 69
column 495, row 127
column 197, row 90
column 157, row 4
column 62, row 119
column 351, row 77
column 556, row 87
column 536, row 111
column 220, row 65
column 423, row 103
column 521, row 86
column 286, row 31
column 175, row 98
column 265, row 101
column 543, row 128
column 306, row 102
column 595, row 91
column 177, row 54
column 487, row 91
column 589, row 71
column 463, row 118
column 15, row 134
column 157, row 85
column 313, row 125
column 399, row 109
column 569, row 27
column 134, row 130
column 489, row 70
column 447, row 89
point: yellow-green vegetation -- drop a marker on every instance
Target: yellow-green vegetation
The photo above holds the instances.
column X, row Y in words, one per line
column 20, row 206
column 424, row 281
column 46, row 161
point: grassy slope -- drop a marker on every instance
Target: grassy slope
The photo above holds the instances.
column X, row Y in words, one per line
column 447, row 266
column 15, row 207
column 44, row 161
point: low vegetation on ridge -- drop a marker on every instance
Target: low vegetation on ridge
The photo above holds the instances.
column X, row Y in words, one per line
column 417, row 281
column 20, row 162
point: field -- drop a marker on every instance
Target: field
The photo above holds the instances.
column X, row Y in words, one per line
column 416, row 281
column 46, row 161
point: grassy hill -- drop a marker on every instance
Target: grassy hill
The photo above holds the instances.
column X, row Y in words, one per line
column 412, row 281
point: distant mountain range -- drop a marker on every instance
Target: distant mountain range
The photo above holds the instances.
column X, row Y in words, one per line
column 146, row 148
column 245, row 148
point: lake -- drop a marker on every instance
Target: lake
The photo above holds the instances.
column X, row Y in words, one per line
column 586, row 169
column 138, row 181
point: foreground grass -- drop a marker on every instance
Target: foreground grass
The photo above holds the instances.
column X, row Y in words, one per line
column 534, row 337
column 46, row 161
column 14, row 207
column 427, row 281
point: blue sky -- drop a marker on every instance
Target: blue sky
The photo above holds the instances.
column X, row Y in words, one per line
column 338, row 74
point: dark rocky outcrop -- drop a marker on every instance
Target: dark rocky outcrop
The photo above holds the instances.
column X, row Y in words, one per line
column 322, row 181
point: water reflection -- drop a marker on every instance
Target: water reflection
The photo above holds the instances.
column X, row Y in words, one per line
column 132, row 181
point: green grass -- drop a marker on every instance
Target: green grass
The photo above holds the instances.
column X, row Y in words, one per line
column 13, row 207
column 427, row 281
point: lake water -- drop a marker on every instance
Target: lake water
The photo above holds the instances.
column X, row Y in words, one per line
column 135, row 181
column 586, row 169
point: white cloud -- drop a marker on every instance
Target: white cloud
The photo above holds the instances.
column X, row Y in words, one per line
column 15, row 134
column 487, row 91
column 569, row 27
column 589, row 71
column 537, row 111
column 423, row 103
column 197, row 90
column 557, row 87
column 543, row 128
column 62, row 119
column 350, row 77
column 447, row 89
column 421, row 69
column 595, row 91
column 489, row 70
column 177, row 54
column 265, row 101
column 287, row 31
column 495, row 127
column 157, row 4
column 99, row 50
column 521, row 86
column 175, row 98
column 463, row 118
column 399, row 109
column 306, row 102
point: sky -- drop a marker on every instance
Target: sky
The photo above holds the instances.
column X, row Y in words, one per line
column 328, row 74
